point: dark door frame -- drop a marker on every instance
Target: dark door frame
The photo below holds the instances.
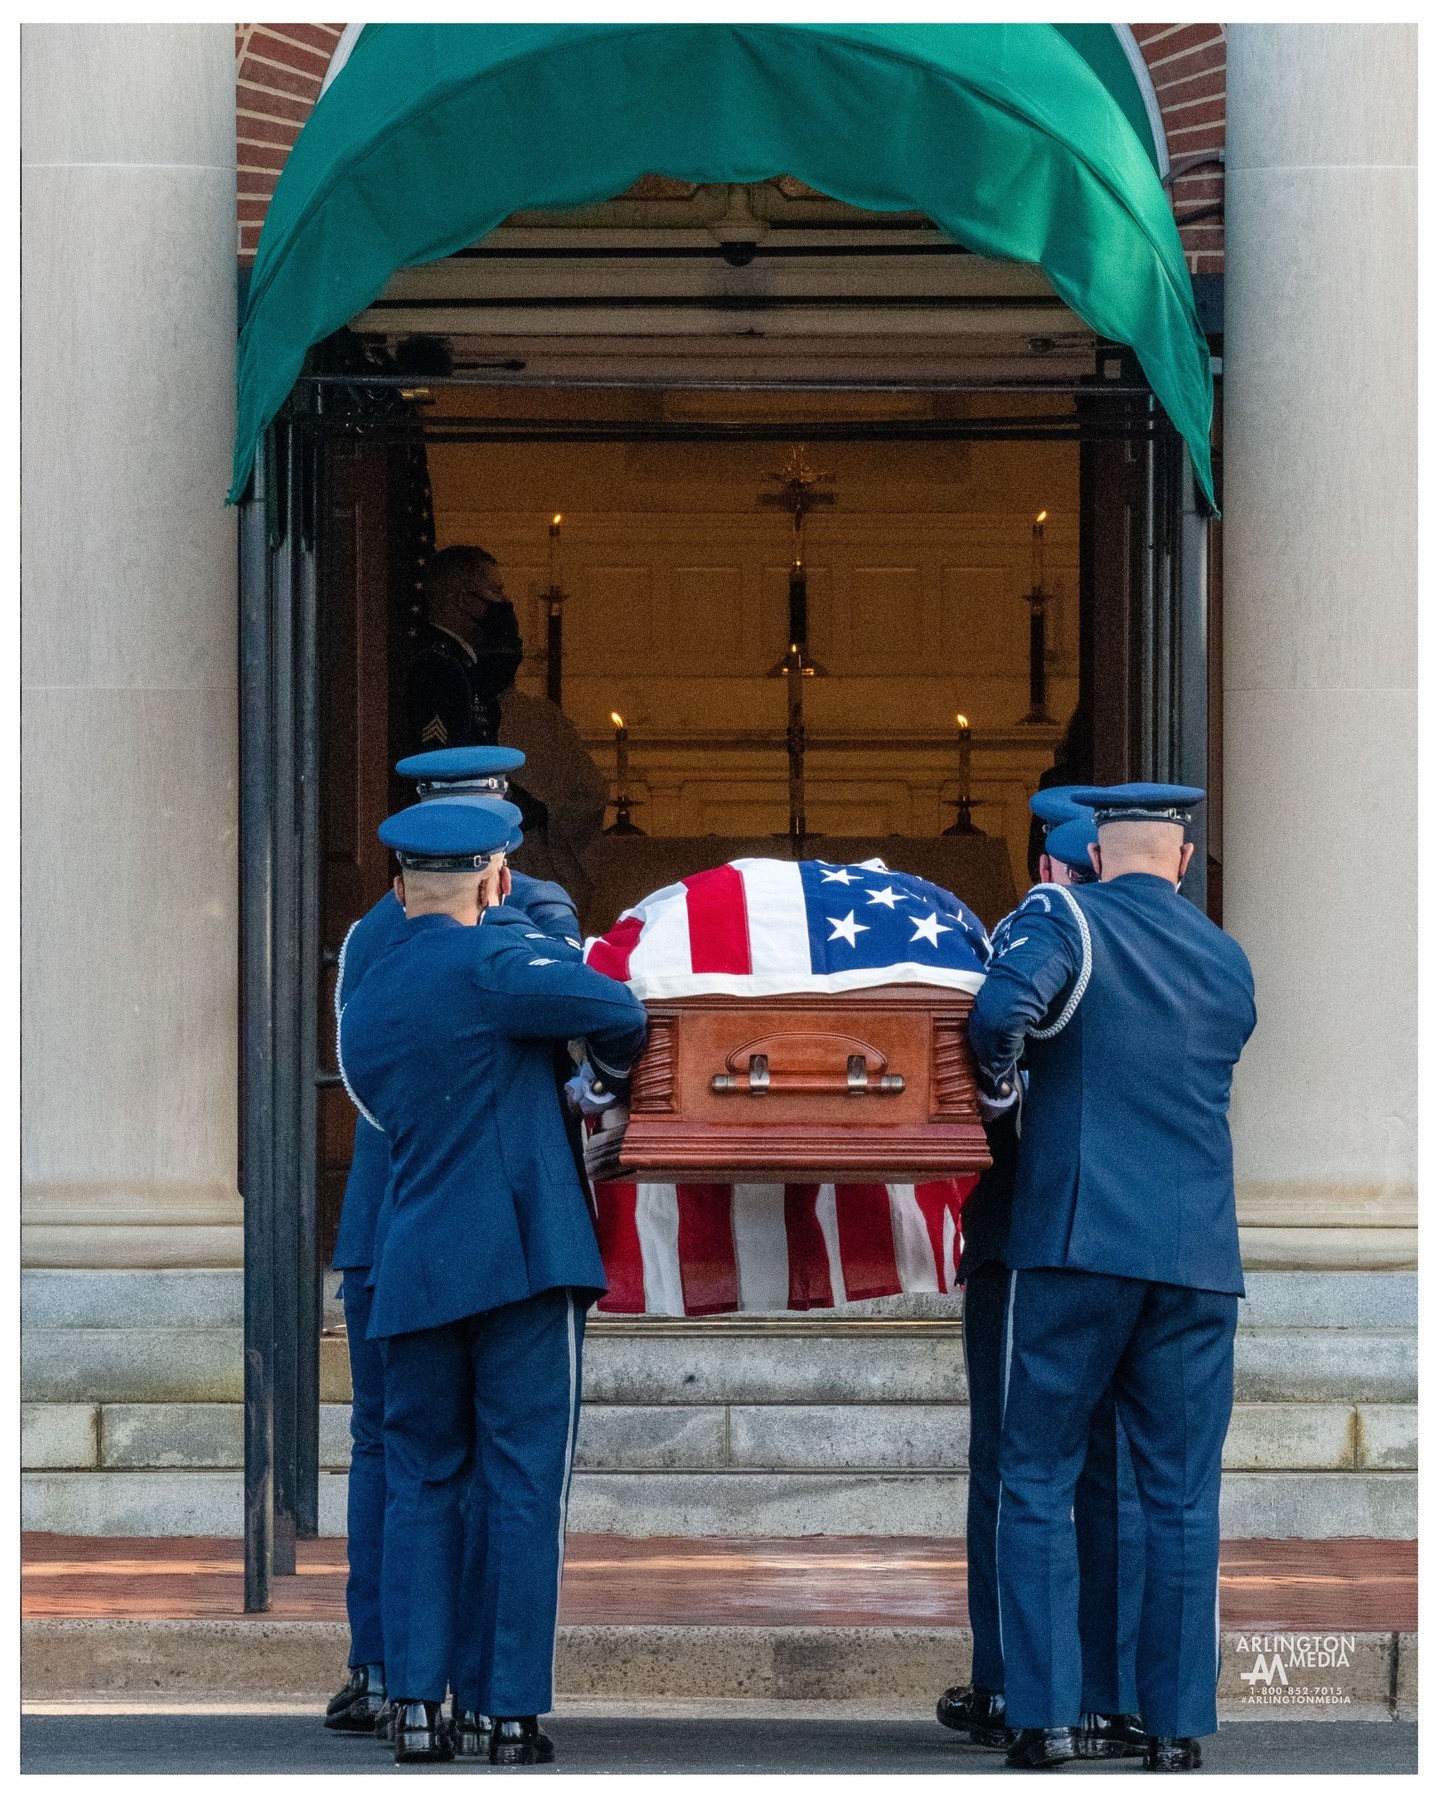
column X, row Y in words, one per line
column 1144, row 544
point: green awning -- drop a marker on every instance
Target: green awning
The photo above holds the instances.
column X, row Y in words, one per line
column 431, row 135
column 1101, row 47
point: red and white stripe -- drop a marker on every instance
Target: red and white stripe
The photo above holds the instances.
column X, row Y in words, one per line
column 708, row 1247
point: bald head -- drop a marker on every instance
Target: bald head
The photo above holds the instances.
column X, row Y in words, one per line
column 1141, row 847
column 461, row 894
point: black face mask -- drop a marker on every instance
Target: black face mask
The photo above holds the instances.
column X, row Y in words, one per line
column 497, row 646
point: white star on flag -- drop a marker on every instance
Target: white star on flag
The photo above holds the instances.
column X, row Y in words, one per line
column 846, row 928
column 886, row 896
column 929, row 929
column 843, row 876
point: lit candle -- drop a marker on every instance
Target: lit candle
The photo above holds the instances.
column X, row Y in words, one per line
column 555, row 551
column 1037, row 551
column 622, row 756
column 962, row 736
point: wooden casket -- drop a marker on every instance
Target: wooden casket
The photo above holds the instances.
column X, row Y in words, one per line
column 875, row 1085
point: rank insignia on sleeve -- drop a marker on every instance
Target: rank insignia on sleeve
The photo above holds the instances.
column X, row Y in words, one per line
column 435, row 732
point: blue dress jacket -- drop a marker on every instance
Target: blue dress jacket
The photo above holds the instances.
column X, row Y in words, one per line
column 549, row 907
column 1131, row 1010
column 447, row 1042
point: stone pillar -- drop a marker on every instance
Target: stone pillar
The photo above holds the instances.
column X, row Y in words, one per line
column 1320, row 633
column 129, row 802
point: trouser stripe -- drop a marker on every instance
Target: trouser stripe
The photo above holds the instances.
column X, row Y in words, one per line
column 1000, row 1489
column 572, row 1418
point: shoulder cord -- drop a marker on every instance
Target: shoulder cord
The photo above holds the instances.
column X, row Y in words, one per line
column 1082, row 981
column 355, row 1100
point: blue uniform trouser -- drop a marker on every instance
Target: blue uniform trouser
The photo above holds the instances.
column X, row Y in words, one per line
column 1108, row 1523
column 365, row 1504
column 1168, row 1354
column 488, row 1404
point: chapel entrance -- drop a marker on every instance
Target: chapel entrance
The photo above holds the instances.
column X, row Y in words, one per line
column 652, row 401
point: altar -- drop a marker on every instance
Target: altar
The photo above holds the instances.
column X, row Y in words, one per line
column 623, row 868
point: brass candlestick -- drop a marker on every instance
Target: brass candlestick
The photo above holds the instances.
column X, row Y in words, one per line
column 624, row 826
column 554, row 598
column 1039, row 600
column 964, row 826
column 799, row 496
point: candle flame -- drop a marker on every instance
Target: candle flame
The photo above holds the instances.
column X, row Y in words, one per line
column 617, row 721
column 962, row 721
column 1041, row 517
column 555, row 522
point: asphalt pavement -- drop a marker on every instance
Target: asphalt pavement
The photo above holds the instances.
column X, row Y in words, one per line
column 171, row 1744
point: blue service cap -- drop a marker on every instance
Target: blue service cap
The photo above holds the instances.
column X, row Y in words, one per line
column 462, row 796
column 1157, row 802
column 1069, row 842
column 451, row 835
column 465, row 762
column 1054, row 805
column 466, row 769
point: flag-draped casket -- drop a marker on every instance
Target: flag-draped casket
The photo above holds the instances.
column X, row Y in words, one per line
column 802, row 1127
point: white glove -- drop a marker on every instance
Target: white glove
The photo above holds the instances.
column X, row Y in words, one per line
column 603, row 1137
column 587, row 1093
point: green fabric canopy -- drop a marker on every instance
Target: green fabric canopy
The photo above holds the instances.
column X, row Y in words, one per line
column 431, row 135
column 1101, row 47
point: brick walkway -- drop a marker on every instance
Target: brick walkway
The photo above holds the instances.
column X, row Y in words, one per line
column 1338, row 1584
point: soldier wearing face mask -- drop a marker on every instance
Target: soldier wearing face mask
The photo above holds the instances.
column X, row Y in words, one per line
column 460, row 689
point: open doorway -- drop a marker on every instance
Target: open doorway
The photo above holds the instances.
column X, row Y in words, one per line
column 648, row 384
column 949, row 513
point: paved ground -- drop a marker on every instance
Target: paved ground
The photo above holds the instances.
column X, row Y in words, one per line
column 164, row 1743
column 1342, row 1584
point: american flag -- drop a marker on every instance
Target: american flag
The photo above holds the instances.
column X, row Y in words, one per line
column 758, row 926
column 708, row 1247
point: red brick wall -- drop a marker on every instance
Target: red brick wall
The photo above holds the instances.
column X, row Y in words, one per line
column 279, row 68
column 278, row 71
column 1187, row 67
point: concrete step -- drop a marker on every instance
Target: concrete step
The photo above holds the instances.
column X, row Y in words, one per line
column 751, row 1363
column 737, row 1503
column 1365, row 1674
column 846, row 1422
column 118, row 1298
column 1264, row 1435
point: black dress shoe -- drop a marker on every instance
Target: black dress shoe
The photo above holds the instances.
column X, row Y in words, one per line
column 385, row 1723
column 977, row 1711
column 1041, row 1747
column 470, row 1731
column 1168, row 1756
column 516, row 1741
column 1100, row 1736
column 360, row 1702
column 421, row 1732
column 362, row 1678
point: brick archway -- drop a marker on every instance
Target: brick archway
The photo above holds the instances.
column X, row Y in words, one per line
column 279, row 70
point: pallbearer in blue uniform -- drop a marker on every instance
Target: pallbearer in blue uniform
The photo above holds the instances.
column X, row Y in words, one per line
column 479, row 773
column 1131, row 1010
column 482, row 1272
column 1109, row 1529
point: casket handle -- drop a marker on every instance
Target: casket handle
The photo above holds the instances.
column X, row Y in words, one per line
column 855, row 1081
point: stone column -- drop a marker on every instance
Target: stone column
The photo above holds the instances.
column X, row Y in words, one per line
column 1320, row 633
column 129, row 802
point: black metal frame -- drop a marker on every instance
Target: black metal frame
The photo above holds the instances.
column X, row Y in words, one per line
column 1171, row 647
column 279, row 949
column 281, row 952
